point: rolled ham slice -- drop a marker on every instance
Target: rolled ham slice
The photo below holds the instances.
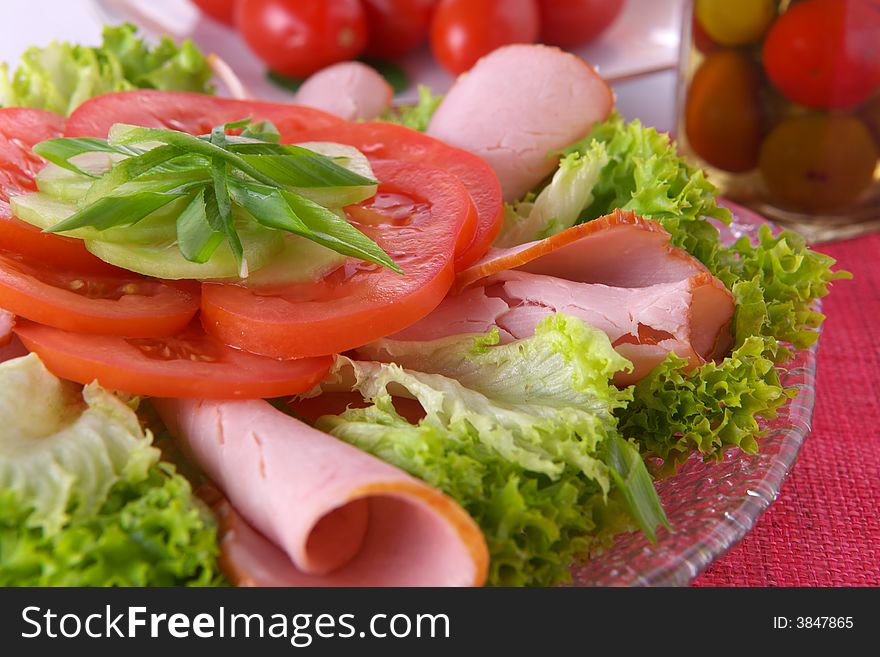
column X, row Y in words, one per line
column 349, row 90
column 620, row 249
column 690, row 317
column 517, row 105
column 308, row 509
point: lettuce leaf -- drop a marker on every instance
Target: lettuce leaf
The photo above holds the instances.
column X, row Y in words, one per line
column 775, row 281
column 524, row 437
column 418, row 116
column 61, row 76
column 84, row 499
column 560, row 203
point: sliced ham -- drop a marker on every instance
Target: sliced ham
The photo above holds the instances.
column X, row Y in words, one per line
column 690, row 317
column 517, row 105
column 350, row 90
column 315, row 510
column 620, row 249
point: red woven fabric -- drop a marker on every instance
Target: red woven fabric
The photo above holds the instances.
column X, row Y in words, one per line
column 824, row 530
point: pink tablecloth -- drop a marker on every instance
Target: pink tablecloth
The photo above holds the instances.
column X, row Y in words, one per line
column 824, row 530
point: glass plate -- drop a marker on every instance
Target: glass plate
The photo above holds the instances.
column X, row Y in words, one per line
column 712, row 505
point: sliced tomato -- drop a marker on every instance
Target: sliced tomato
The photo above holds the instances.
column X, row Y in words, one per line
column 7, row 319
column 359, row 302
column 389, row 141
column 187, row 112
column 197, row 114
column 20, row 129
column 191, row 364
column 125, row 304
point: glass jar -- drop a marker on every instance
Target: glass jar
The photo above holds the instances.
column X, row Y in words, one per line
column 780, row 101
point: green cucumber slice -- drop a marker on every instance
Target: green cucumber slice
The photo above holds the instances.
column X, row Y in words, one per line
column 163, row 258
column 345, row 156
column 43, row 211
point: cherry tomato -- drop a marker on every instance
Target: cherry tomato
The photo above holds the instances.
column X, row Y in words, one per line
column 299, row 37
column 190, row 364
column 20, row 129
column 462, row 31
column 870, row 114
column 722, row 112
column 825, row 53
column 818, row 162
column 702, row 41
column 124, row 304
column 570, row 23
column 735, row 23
column 359, row 302
column 397, row 27
column 219, row 10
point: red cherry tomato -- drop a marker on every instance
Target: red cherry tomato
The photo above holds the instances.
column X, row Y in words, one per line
column 219, row 10
column 462, row 31
column 569, row 23
column 299, row 37
column 397, row 27
column 825, row 53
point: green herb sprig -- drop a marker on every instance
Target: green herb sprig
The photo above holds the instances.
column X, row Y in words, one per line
column 148, row 168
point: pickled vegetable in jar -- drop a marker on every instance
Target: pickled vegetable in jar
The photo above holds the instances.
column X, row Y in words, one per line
column 780, row 101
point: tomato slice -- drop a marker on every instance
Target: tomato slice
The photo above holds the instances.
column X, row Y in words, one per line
column 197, row 114
column 20, row 129
column 359, row 302
column 126, row 304
column 191, row 364
column 187, row 112
column 394, row 142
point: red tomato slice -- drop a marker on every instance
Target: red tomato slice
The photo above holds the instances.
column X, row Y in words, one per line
column 126, row 304
column 193, row 113
column 20, row 129
column 191, row 364
column 394, row 142
column 359, row 302
column 197, row 114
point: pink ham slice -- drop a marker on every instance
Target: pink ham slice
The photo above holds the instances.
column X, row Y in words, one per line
column 620, row 249
column 349, row 90
column 690, row 317
column 519, row 104
column 317, row 511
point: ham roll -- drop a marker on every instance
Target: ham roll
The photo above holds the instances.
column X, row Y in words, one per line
column 519, row 104
column 307, row 509
column 618, row 273
column 619, row 249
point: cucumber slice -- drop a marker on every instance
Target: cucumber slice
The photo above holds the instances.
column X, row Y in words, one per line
column 300, row 261
column 43, row 211
column 345, row 156
column 63, row 184
column 163, row 259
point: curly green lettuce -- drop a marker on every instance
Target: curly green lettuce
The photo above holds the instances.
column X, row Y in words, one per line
column 84, row 498
column 61, row 76
column 522, row 435
column 416, row 116
column 775, row 281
